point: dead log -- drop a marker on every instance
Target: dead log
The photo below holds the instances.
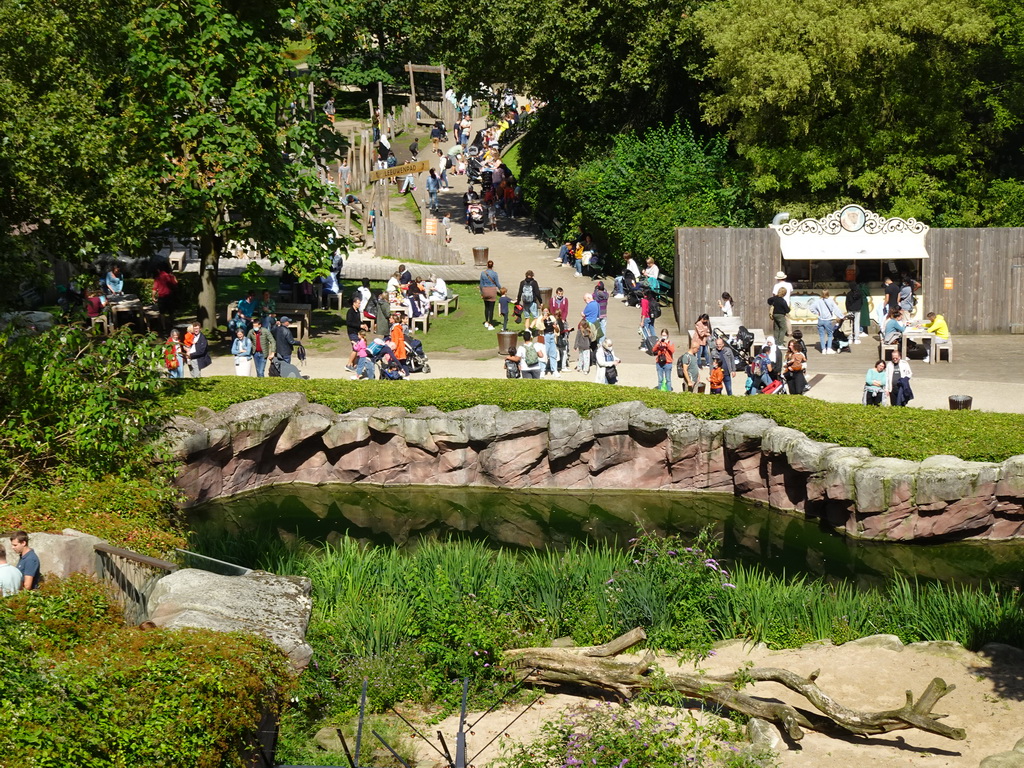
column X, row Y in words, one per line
column 596, row 667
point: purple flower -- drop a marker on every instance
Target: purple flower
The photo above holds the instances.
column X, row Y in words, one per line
column 610, row 581
column 727, row 585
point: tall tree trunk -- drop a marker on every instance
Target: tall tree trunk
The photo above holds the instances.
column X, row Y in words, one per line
column 209, row 255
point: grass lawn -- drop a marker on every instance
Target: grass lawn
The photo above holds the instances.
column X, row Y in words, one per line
column 511, row 159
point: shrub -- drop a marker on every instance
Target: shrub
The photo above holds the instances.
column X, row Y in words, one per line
column 134, row 514
column 605, row 735
column 973, row 435
column 85, row 690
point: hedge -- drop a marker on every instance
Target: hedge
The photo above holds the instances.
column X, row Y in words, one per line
column 911, row 434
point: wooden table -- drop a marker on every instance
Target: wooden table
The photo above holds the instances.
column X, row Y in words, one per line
column 917, row 334
column 305, row 310
column 127, row 306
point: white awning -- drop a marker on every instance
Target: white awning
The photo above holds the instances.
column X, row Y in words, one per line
column 852, row 234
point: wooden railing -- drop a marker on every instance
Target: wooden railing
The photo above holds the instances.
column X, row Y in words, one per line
column 131, row 577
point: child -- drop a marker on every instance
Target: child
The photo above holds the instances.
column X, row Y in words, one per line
column 503, row 302
column 798, row 337
column 717, row 377
column 492, row 217
column 364, row 368
column 446, row 222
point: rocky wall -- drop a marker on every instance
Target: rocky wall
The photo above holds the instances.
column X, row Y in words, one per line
column 283, row 438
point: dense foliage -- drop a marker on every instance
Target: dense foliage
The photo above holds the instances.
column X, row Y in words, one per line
column 82, row 689
column 76, row 422
column 634, row 196
column 972, row 435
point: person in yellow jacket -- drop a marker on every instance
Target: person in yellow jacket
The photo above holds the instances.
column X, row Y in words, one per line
column 936, row 326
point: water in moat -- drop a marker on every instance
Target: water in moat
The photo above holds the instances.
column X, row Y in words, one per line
column 750, row 533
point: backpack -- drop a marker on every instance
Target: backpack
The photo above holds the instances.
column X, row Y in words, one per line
column 512, row 369
column 530, row 356
column 653, row 309
column 448, row 162
column 527, row 294
column 300, row 352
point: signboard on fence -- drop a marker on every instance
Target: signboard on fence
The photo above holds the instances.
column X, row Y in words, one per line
column 431, row 226
column 400, row 170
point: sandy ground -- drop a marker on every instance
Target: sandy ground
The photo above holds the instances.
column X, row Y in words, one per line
column 988, row 702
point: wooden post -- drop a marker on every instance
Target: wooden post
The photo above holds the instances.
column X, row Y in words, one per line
column 380, row 106
column 412, row 97
column 312, row 101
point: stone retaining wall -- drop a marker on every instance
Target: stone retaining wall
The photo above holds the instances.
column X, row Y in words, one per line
column 283, row 438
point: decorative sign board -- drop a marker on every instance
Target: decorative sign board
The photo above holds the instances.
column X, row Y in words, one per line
column 852, row 234
column 400, row 170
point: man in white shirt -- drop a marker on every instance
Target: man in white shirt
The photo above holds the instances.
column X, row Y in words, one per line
column 781, row 282
column 10, row 577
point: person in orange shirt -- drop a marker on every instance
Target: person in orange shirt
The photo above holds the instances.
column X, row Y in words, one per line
column 398, row 337
column 717, row 377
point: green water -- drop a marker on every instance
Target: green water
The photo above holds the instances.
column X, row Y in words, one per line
column 749, row 533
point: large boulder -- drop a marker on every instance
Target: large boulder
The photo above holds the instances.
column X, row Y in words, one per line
column 276, row 607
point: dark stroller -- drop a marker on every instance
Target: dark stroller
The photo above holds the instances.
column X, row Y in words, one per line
column 841, row 339
column 416, row 359
column 475, row 218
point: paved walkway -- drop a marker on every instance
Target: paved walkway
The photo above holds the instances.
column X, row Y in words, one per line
column 988, row 368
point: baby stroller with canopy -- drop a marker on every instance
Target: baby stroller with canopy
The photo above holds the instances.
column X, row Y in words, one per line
column 475, row 218
column 841, row 339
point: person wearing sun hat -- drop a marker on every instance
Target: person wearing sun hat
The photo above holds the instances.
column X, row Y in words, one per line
column 782, row 282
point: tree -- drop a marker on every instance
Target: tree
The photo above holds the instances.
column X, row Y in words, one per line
column 66, row 190
column 209, row 112
column 882, row 102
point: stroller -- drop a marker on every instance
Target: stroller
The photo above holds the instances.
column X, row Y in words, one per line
column 841, row 339
column 416, row 359
column 475, row 218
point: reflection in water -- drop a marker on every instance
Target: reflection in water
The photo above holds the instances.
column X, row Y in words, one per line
column 750, row 533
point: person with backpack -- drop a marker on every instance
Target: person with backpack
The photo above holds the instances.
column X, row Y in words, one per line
column 443, row 164
column 828, row 314
column 531, row 357
column 529, row 298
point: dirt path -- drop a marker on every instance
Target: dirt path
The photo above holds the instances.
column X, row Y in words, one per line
column 988, row 702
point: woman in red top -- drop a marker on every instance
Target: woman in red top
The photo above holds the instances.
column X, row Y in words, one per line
column 663, row 351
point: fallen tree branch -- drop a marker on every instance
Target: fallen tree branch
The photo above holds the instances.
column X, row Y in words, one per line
column 597, row 668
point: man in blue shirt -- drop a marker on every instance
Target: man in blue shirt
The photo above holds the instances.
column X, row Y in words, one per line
column 29, row 562
column 591, row 309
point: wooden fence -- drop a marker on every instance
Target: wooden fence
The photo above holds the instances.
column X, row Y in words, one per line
column 985, row 266
column 396, row 242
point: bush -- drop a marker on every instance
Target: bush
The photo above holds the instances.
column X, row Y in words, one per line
column 973, row 435
column 135, row 514
column 85, row 690
column 604, row 735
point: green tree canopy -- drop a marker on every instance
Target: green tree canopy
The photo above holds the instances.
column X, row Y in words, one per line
column 209, row 110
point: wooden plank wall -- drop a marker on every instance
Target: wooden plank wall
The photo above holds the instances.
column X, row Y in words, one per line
column 399, row 243
column 742, row 262
column 980, row 261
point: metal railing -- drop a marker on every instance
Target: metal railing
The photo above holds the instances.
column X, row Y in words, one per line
column 132, row 578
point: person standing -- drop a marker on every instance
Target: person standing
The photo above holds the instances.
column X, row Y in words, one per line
column 725, row 356
column 414, row 149
column 782, row 282
column 725, row 305
column 550, row 325
column 199, row 352
column 433, row 185
column 854, row 305
column 489, row 287
column 663, row 352
column 827, row 313
column 241, row 348
column 262, row 341
column 779, row 314
column 28, row 560
column 701, row 335
column 601, row 297
column 164, row 286
column 329, row 109
column 284, row 341
column 606, row 361
column 530, row 356
column 174, row 355
column 793, row 369
column 529, row 299
column 559, row 305
column 442, row 168
column 897, row 380
column 10, row 577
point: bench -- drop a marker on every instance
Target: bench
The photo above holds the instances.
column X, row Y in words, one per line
column 550, row 230
column 450, row 304
column 886, row 347
column 422, row 322
column 334, row 298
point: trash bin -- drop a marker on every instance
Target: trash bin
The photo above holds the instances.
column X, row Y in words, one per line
column 545, row 298
column 480, row 257
column 960, row 402
column 506, row 340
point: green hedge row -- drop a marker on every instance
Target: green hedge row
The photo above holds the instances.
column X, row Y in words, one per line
column 911, row 434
